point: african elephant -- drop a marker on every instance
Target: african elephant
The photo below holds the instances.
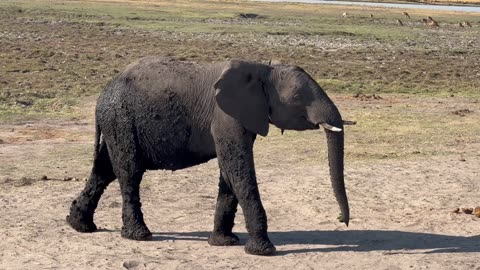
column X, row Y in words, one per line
column 166, row 114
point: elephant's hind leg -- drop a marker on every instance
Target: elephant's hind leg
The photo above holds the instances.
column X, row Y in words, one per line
column 127, row 165
column 224, row 217
column 83, row 207
column 134, row 226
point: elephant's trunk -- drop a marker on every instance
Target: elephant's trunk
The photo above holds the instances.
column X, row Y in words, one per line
column 335, row 142
column 325, row 114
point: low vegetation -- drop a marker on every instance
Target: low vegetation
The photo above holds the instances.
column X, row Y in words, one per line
column 402, row 80
column 55, row 53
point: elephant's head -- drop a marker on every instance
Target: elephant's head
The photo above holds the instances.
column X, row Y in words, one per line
column 287, row 97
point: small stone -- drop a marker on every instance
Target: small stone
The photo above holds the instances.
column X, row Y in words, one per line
column 25, row 181
column 67, row 178
column 85, row 179
column 44, row 177
column 130, row 264
column 476, row 212
column 115, row 205
column 7, row 180
column 456, row 210
column 467, row 211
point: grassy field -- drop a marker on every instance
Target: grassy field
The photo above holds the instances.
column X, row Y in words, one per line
column 54, row 53
column 56, row 57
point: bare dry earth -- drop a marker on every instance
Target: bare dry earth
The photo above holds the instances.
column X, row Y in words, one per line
column 401, row 206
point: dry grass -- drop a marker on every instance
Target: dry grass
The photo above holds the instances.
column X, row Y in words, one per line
column 55, row 54
column 59, row 74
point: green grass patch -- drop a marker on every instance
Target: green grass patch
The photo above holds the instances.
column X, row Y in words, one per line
column 60, row 51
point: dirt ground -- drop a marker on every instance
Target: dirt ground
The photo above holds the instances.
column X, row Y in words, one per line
column 401, row 207
column 411, row 160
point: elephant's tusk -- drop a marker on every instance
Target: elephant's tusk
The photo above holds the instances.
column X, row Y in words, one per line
column 346, row 122
column 331, row 128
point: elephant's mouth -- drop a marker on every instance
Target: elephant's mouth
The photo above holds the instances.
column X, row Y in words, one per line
column 309, row 124
column 303, row 123
column 324, row 125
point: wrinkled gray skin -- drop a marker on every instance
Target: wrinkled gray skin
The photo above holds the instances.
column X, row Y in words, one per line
column 164, row 114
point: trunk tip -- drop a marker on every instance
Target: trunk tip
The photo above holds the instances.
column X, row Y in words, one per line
column 344, row 219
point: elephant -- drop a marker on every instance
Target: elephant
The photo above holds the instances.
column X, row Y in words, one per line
column 161, row 113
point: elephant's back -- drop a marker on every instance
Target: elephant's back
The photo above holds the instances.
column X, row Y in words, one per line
column 172, row 82
column 152, row 75
column 152, row 98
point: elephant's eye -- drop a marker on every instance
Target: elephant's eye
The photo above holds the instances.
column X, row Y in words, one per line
column 296, row 97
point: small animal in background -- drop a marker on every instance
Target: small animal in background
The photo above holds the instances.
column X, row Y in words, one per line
column 433, row 23
column 399, row 22
column 466, row 23
column 406, row 14
column 430, row 22
column 460, row 25
column 371, row 16
column 345, row 14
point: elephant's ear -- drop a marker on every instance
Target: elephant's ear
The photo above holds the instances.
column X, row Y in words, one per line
column 240, row 94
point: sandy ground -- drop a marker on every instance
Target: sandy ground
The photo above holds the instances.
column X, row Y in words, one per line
column 410, row 161
column 401, row 209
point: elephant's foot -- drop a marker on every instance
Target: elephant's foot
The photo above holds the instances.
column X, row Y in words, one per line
column 138, row 232
column 259, row 247
column 223, row 239
column 81, row 221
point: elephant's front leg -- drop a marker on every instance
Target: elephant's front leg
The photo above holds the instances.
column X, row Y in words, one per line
column 234, row 147
column 255, row 217
column 224, row 216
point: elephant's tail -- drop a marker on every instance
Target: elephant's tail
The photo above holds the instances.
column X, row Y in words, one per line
column 101, row 160
column 98, row 137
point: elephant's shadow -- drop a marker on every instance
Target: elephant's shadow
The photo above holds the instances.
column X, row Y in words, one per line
column 358, row 240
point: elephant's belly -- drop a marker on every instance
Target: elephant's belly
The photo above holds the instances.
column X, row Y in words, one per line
column 180, row 161
column 167, row 133
column 174, row 147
